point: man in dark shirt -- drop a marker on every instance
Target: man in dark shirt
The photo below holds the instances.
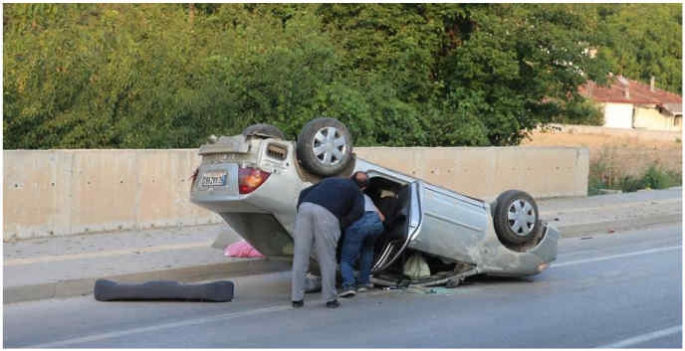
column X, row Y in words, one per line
column 322, row 210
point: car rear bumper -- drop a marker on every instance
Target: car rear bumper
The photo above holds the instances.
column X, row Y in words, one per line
column 500, row 261
column 224, row 203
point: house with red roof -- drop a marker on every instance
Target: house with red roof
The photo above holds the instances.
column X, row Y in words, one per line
column 630, row 104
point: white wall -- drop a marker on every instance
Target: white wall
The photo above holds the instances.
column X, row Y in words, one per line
column 649, row 117
column 618, row 115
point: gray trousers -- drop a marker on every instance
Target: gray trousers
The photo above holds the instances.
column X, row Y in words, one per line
column 315, row 226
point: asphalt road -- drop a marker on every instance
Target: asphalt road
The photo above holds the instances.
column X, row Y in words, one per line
column 614, row 290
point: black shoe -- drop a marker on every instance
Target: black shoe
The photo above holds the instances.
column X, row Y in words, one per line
column 333, row 304
column 298, row 304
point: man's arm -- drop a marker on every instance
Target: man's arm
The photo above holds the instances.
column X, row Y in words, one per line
column 380, row 214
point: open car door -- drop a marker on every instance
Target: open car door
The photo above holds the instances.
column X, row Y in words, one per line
column 404, row 225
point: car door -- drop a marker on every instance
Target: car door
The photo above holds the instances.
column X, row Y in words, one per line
column 452, row 225
column 410, row 226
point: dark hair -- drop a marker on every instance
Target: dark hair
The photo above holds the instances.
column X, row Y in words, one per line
column 360, row 183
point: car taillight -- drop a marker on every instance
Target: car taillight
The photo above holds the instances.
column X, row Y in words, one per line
column 249, row 179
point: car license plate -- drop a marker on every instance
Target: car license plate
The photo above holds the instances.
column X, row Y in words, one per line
column 213, row 179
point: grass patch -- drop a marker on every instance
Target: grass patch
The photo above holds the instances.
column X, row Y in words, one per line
column 606, row 174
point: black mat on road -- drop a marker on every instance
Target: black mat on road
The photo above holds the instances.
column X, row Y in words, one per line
column 107, row 290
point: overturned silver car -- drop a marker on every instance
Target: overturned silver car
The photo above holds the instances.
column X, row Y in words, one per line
column 253, row 181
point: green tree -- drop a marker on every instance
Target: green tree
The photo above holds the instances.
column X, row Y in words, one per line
column 643, row 40
column 513, row 64
column 168, row 75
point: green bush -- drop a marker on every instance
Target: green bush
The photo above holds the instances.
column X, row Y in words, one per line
column 657, row 178
column 601, row 172
column 631, row 184
column 654, row 177
column 594, row 186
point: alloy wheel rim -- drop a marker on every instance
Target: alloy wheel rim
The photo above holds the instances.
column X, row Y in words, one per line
column 330, row 146
column 522, row 217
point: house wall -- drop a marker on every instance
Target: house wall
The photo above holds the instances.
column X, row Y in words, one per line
column 618, row 115
column 649, row 117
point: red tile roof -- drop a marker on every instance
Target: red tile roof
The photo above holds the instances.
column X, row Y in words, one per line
column 638, row 93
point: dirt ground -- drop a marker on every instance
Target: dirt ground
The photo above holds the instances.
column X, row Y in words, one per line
column 626, row 155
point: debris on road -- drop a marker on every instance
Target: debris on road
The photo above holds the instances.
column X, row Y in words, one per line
column 242, row 249
column 218, row 291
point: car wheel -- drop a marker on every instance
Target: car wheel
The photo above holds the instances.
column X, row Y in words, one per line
column 516, row 217
column 264, row 130
column 324, row 146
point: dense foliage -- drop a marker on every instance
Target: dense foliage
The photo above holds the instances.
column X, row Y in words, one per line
column 169, row 75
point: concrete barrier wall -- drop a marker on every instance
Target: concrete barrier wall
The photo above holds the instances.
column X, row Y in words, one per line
column 484, row 172
column 63, row 192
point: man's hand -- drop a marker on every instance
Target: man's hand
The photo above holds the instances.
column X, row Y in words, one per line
column 380, row 215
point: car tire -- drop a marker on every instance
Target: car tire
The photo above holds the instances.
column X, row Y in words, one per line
column 324, row 146
column 263, row 130
column 516, row 217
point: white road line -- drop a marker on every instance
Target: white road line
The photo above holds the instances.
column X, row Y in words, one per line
column 97, row 337
column 598, row 250
column 612, row 257
column 608, row 207
column 106, row 253
column 643, row 338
